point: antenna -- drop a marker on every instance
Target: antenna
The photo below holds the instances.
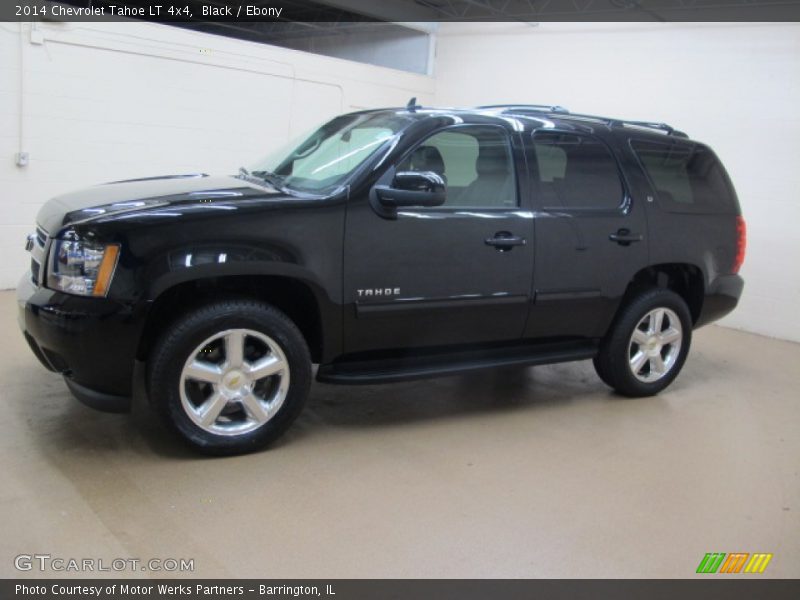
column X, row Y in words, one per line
column 412, row 105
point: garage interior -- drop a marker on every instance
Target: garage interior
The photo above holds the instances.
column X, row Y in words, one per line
column 539, row 472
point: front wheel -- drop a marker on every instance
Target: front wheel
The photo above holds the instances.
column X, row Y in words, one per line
column 230, row 377
column 647, row 345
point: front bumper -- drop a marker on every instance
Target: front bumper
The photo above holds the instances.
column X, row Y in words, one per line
column 91, row 341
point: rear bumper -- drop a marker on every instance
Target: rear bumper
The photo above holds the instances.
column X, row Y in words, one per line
column 91, row 341
column 721, row 297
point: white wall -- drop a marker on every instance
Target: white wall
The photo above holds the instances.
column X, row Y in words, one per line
column 109, row 101
column 733, row 86
column 119, row 100
column 381, row 44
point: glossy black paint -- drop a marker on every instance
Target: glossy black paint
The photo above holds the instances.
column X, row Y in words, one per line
column 439, row 278
column 91, row 340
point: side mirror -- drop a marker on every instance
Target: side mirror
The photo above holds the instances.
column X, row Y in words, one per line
column 413, row 188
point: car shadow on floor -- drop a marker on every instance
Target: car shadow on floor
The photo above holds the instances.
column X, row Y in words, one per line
column 69, row 426
column 336, row 407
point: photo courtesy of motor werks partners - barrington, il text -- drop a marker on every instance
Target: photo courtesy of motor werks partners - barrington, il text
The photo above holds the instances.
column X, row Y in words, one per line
column 164, row 589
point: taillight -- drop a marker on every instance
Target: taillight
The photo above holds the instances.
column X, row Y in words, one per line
column 741, row 243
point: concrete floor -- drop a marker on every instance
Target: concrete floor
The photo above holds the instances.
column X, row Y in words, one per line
column 522, row 473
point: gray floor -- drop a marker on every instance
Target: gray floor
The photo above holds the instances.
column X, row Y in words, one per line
column 523, row 473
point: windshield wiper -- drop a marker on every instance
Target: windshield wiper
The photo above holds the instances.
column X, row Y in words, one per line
column 273, row 179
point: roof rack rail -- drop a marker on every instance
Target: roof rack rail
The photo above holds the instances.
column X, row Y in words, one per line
column 647, row 124
column 662, row 127
column 560, row 110
column 668, row 129
column 537, row 107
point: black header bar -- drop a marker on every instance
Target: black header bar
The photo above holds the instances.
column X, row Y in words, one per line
column 345, row 11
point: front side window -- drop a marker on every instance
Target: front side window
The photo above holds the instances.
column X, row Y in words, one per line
column 576, row 172
column 686, row 176
column 320, row 161
column 475, row 162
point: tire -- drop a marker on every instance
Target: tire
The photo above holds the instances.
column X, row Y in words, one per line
column 647, row 344
column 230, row 377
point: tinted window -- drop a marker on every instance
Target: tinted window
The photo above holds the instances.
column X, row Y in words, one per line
column 686, row 176
column 576, row 171
column 475, row 162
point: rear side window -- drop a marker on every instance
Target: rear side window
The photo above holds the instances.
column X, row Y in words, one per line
column 576, row 172
column 687, row 177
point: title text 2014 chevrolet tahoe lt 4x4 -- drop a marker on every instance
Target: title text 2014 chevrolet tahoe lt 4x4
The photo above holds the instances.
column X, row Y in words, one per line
column 386, row 245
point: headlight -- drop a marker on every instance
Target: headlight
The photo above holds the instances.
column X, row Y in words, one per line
column 81, row 267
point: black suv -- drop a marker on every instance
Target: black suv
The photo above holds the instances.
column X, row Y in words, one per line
column 386, row 245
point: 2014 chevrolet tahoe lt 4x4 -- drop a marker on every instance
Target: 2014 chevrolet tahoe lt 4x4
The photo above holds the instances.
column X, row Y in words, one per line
column 386, row 245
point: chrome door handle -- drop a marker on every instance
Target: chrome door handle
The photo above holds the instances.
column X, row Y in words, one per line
column 624, row 237
column 504, row 241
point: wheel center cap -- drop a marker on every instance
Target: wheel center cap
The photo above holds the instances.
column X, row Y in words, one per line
column 652, row 344
column 234, row 380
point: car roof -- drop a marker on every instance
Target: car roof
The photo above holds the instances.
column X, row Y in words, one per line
column 534, row 116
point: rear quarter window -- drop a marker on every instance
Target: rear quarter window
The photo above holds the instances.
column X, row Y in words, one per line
column 576, row 172
column 686, row 176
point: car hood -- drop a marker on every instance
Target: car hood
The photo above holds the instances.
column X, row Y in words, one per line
column 109, row 199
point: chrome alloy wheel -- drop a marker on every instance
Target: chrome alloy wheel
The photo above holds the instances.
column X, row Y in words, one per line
column 234, row 382
column 655, row 345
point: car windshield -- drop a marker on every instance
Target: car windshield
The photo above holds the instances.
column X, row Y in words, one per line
column 322, row 160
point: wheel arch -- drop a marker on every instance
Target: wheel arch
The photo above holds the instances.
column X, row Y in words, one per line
column 301, row 300
column 685, row 279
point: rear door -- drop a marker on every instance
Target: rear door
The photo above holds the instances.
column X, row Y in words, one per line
column 591, row 234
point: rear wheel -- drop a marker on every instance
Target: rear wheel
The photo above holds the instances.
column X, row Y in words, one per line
column 647, row 345
column 230, row 377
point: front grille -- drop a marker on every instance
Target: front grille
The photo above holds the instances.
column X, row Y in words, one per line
column 35, row 268
column 41, row 237
column 38, row 254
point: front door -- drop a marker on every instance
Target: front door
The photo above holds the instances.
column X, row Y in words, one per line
column 457, row 273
